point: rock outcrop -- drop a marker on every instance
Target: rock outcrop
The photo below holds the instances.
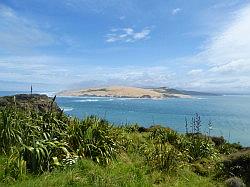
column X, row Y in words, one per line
column 36, row 102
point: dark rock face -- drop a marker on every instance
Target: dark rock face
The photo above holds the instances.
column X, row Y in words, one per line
column 238, row 165
column 234, row 182
column 40, row 103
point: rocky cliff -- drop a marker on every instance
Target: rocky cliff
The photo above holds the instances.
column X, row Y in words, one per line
column 41, row 103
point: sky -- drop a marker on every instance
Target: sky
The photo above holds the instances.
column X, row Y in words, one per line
column 67, row 44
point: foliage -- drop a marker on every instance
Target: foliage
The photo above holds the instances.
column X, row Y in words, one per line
column 204, row 167
column 43, row 155
column 131, row 128
column 120, row 173
column 40, row 142
column 163, row 135
column 236, row 164
column 92, row 138
column 10, row 134
column 198, row 147
column 69, row 151
column 162, row 156
column 228, row 148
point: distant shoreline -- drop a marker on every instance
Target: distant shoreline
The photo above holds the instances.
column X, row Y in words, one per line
column 126, row 92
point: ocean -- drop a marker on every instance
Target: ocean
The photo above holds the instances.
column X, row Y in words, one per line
column 229, row 114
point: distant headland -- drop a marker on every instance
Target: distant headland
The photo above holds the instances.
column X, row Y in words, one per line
column 132, row 92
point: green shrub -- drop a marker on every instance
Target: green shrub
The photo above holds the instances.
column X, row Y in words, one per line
column 15, row 167
column 10, row 134
column 236, row 164
column 163, row 135
column 93, row 138
column 218, row 141
column 131, row 128
column 228, row 148
column 204, row 167
column 42, row 156
column 162, row 156
column 198, row 147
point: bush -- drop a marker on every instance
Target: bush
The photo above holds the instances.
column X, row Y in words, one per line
column 163, row 135
column 218, row 141
column 10, row 132
column 40, row 141
column 15, row 167
column 93, row 138
column 43, row 156
column 162, row 156
column 228, row 148
column 204, row 167
column 198, row 147
column 236, row 164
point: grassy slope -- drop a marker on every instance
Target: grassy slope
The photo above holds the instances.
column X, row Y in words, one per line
column 129, row 169
column 119, row 173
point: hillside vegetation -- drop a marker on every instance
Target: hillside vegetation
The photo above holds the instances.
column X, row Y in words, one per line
column 48, row 148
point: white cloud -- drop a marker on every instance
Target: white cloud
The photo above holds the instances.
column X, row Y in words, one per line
column 195, row 72
column 233, row 67
column 45, row 69
column 176, row 11
column 57, row 71
column 232, row 44
column 227, row 56
column 19, row 34
column 140, row 76
column 124, row 75
column 127, row 35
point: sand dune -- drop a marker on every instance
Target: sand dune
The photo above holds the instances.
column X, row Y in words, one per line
column 123, row 91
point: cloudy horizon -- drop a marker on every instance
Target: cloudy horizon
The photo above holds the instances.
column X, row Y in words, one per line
column 63, row 44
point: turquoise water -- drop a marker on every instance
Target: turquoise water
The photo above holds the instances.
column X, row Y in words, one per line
column 230, row 115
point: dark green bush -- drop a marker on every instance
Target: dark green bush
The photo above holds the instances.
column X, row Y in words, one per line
column 42, row 156
column 228, row 148
column 162, row 156
column 163, row 135
column 198, row 147
column 218, row 141
column 204, row 167
column 131, row 128
column 41, row 141
column 236, row 164
column 10, row 132
column 93, row 138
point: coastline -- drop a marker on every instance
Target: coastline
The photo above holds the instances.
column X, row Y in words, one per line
column 124, row 92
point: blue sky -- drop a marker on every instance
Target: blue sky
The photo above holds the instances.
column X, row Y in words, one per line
column 63, row 44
